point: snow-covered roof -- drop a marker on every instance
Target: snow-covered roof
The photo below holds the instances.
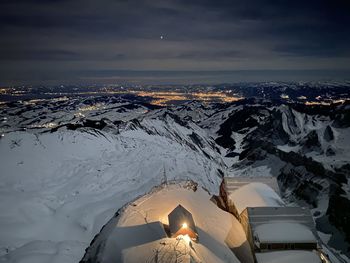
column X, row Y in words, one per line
column 284, row 232
column 255, row 195
column 236, row 182
column 288, row 256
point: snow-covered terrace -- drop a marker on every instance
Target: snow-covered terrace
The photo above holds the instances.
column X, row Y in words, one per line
column 295, row 215
column 284, row 232
column 288, row 256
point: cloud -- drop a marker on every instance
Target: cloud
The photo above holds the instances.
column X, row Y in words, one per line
column 33, row 55
column 198, row 34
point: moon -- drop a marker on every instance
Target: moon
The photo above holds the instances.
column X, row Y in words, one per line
column 161, row 37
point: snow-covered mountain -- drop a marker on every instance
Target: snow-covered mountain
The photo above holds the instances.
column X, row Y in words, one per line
column 67, row 165
column 306, row 148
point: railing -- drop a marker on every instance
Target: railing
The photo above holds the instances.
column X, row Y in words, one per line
column 324, row 258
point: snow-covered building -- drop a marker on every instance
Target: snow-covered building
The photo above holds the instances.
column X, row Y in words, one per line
column 181, row 223
column 279, row 228
column 270, row 225
column 242, row 192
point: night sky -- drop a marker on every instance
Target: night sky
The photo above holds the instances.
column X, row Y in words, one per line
column 106, row 41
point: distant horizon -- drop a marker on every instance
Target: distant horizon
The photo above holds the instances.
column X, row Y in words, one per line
column 181, row 77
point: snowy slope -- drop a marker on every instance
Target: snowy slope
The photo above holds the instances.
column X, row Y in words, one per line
column 68, row 165
column 67, row 184
column 306, row 148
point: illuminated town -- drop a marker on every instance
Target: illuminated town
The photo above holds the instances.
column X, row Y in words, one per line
column 172, row 95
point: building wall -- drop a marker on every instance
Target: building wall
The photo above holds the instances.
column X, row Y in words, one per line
column 287, row 246
column 230, row 207
column 223, row 193
column 244, row 219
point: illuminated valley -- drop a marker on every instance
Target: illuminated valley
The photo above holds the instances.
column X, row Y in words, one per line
column 163, row 95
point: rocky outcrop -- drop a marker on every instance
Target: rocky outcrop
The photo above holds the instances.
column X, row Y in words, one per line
column 328, row 134
column 311, row 143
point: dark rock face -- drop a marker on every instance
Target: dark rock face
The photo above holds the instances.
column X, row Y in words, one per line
column 196, row 139
column 330, row 152
column 308, row 191
column 241, row 119
column 342, row 119
column 272, row 130
column 339, row 212
column 99, row 125
column 328, row 134
column 226, row 142
column 302, row 177
column 237, row 121
column 300, row 180
column 94, row 124
column 311, row 142
column 232, row 154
